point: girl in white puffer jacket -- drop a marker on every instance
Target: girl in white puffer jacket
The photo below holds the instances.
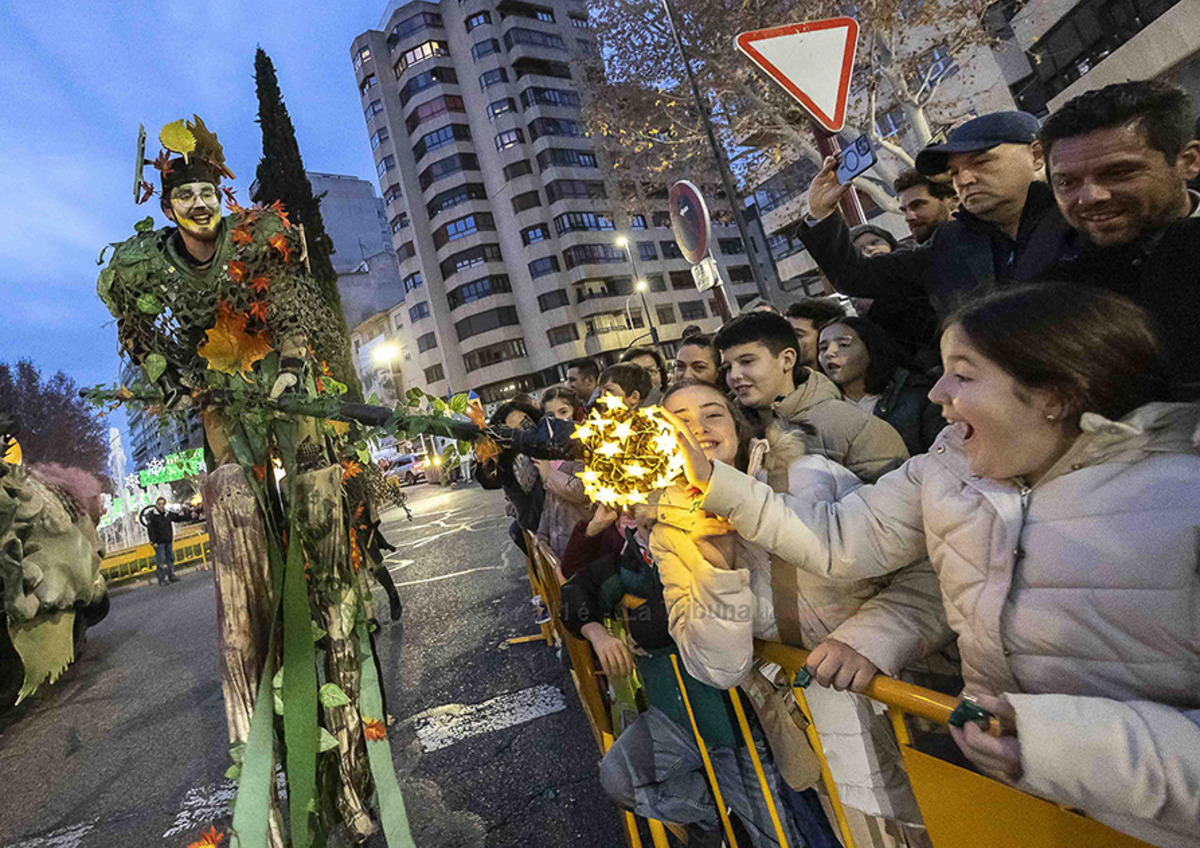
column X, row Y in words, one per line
column 1062, row 514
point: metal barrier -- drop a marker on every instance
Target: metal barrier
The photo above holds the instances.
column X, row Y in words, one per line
column 190, row 546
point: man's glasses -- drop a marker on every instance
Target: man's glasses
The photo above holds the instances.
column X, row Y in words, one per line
column 187, row 196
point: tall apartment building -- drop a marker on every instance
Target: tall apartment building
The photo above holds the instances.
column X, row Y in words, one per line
column 152, row 437
column 503, row 215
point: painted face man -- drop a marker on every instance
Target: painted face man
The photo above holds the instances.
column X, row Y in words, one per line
column 196, row 209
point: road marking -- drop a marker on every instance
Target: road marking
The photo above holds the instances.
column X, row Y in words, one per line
column 201, row 807
column 67, row 837
column 448, row 576
column 443, row 726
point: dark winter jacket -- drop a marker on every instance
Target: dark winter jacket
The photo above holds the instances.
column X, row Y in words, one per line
column 549, row 440
column 906, row 406
column 158, row 525
column 965, row 255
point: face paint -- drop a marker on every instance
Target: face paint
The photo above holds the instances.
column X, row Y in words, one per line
column 197, row 209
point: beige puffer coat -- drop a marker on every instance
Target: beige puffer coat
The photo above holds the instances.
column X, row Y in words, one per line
column 1082, row 592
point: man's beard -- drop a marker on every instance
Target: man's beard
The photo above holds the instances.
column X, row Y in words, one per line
column 205, row 234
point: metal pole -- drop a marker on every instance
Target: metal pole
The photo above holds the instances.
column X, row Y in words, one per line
column 637, row 279
column 731, row 194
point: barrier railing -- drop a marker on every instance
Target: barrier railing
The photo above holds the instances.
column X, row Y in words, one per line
column 961, row 808
column 191, row 545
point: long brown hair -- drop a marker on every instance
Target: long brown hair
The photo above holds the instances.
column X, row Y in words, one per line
column 1096, row 349
column 741, row 427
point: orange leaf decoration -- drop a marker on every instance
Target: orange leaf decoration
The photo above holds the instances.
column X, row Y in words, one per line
column 208, row 839
column 163, row 163
column 258, row 310
column 228, row 348
column 241, row 236
column 486, row 449
column 355, row 553
column 260, row 284
column 325, row 369
column 374, row 729
column 260, row 472
column 237, row 271
column 475, row 413
column 279, row 242
column 350, row 469
column 278, row 209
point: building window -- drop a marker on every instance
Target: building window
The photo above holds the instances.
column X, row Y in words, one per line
column 361, row 56
column 533, row 38
column 509, row 138
column 574, row 189
column 661, row 219
column 426, row 342
column 637, row 222
column 647, row 251
column 369, row 82
column 783, row 244
column 412, row 24
column 657, row 283
column 443, row 168
column 665, row 314
column 407, row 251
column 494, row 354
column 500, row 107
column 682, row 281
column 534, row 234
column 589, row 254
column 482, row 322
column 542, row 67
column 670, row 250
column 454, row 196
column 574, row 222
column 425, row 80
column 478, row 20
column 385, row 164
column 463, row 227
column 731, row 245
column 743, row 299
column 469, row 258
column 740, row 274
column 434, row 108
column 539, row 127
column 399, row 222
column 528, row 200
column 413, row 281
column 420, row 53
column 692, row 310
column 566, row 158
column 392, row 194
column 517, row 169
column 553, row 300
column 434, row 373
column 493, row 77
column 535, row 96
column 373, row 109
column 381, row 135
column 542, row 267
column 440, row 138
column 418, row 311
column 478, row 290
column 562, row 335
column 484, row 48
column 578, row 22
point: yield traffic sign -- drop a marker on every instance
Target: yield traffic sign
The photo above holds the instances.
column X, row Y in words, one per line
column 813, row 62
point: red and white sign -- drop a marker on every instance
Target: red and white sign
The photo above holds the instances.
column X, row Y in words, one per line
column 813, row 62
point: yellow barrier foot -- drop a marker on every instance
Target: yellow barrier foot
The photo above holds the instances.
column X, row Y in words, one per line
column 521, row 640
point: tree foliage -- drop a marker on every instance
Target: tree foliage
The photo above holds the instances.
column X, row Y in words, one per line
column 642, row 108
column 56, row 425
column 281, row 178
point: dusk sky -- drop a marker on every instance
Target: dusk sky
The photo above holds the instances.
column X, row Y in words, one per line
column 76, row 80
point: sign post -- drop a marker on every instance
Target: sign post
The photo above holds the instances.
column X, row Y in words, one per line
column 813, row 62
column 692, row 225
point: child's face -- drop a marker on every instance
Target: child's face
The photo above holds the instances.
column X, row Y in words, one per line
column 612, row 389
column 559, row 408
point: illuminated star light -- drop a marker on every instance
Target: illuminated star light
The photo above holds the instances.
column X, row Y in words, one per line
column 612, row 402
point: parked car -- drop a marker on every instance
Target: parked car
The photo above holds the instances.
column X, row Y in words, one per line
column 408, row 468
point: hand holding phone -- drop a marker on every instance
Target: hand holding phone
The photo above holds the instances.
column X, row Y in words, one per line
column 855, row 159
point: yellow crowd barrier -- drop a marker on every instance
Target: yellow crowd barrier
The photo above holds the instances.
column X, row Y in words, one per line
column 191, row 546
column 961, row 808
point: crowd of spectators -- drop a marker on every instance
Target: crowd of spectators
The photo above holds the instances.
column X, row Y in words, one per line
column 978, row 468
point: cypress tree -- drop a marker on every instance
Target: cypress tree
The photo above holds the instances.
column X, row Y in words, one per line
column 281, row 177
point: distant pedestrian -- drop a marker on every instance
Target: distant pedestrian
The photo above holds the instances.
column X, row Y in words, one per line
column 157, row 522
column 925, row 203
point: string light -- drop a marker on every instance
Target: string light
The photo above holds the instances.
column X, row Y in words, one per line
column 628, row 453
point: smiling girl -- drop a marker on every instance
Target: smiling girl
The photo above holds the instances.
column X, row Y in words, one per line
column 1061, row 511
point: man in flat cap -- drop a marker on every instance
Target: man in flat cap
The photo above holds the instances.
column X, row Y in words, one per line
column 1007, row 228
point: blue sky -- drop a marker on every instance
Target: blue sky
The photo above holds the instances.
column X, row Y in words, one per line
column 76, row 80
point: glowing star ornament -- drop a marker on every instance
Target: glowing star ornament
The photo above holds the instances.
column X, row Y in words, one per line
column 628, row 453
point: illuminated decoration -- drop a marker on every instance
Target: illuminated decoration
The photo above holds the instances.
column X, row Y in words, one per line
column 628, row 453
column 176, row 466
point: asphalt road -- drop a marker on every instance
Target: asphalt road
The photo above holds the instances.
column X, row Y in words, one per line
column 129, row 747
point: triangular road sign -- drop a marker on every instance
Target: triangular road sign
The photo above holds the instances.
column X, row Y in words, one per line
column 813, row 62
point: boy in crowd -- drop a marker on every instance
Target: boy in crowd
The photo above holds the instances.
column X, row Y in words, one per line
column 761, row 352
column 630, row 382
column 807, row 317
column 583, row 377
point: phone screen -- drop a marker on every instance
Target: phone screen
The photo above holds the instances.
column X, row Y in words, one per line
column 855, row 159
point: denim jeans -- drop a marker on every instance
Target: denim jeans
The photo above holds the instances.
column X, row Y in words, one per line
column 164, row 555
column 654, row 768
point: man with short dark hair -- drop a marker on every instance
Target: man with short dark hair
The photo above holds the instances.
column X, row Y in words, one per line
column 1119, row 160
column 1008, row 229
column 761, row 352
column 807, row 317
column 926, row 204
column 157, row 522
column 583, row 378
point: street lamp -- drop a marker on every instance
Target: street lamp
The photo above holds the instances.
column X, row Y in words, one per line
column 388, row 352
column 639, row 287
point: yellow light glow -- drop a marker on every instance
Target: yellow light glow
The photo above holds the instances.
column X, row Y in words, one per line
column 612, row 402
column 635, row 470
column 665, row 442
column 589, row 477
column 583, row 431
column 622, row 431
column 609, row 449
column 628, row 453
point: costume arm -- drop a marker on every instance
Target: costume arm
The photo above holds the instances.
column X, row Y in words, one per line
column 1123, row 758
column 891, row 275
column 710, row 611
column 872, row 531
